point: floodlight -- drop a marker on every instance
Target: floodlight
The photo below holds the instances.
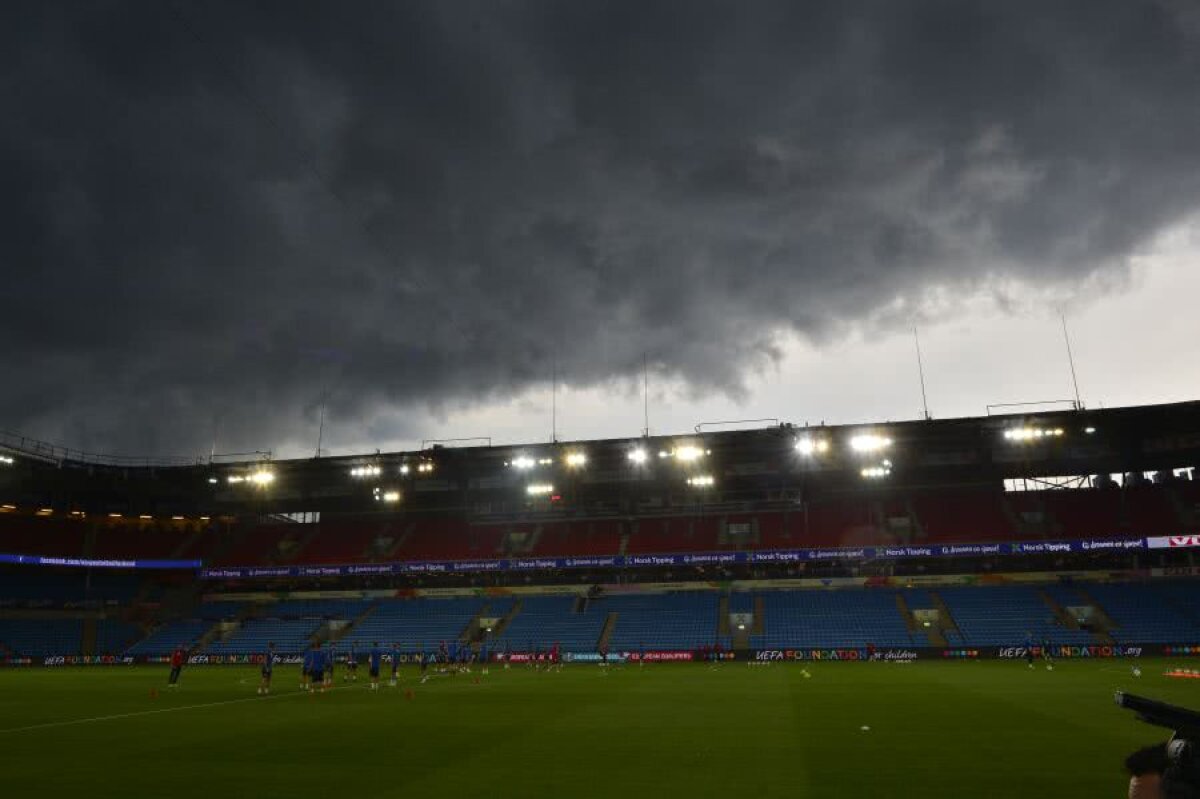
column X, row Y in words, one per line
column 575, row 459
column 1089, row 430
column 404, row 468
column 876, row 472
column 539, row 489
column 213, row 480
column 6, row 460
column 637, row 455
column 811, row 446
column 701, row 481
column 425, row 467
column 688, row 453
column 545, row 461
column 523, row 462
column 391, row 496
column 262, row 477
column 366, row 471
column 145, row 517
column 869, row 442
column 235, row 478
column 176, row 518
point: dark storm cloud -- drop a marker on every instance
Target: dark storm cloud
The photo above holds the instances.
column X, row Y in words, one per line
column 219, row 211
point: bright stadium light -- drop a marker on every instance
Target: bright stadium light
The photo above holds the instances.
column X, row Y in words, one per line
column 688, row 453
column 869, row 442
column 404, row 468
column 235, row 478
column 523, row 462
column 539, row 489
column 425, row 467
column 7, row 508
column 1089, row 430
column 1022, row 434
column 391, row 496
column 637, row 456
column 366, row 471
column 701, row 481
column 6, row 460
column 876, row 472
column 575, row 460
column 145, row 517
column 262, row 477
column 811, row 446
column 213, row 480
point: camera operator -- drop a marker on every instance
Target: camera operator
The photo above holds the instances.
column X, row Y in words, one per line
column 1146, row 767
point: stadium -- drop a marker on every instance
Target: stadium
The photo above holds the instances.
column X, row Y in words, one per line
column 888, row 583
column 839, row 423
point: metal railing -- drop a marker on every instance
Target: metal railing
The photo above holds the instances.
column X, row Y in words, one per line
column 45, row 451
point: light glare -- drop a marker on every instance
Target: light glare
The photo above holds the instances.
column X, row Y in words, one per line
column 869, row 442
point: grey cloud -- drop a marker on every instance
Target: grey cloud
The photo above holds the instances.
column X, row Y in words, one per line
column 218, row 210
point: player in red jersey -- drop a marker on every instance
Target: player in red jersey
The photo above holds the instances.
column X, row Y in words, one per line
column 177, row 658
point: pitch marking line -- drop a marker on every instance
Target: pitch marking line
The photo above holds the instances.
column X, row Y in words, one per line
column 71, row 722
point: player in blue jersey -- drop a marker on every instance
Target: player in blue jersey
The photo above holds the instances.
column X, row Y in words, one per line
column 1047, row 654
column 316, row 671
column 373, row 661
column 351, row 672
column 395, row 656
column 268, row 666
column 330, row 659
column 306, row 662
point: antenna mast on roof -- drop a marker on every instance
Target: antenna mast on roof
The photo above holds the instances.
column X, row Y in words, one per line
column 1070, row 358
column 554, row 402
column 645, row 395
column 921, row 374
column 321, row 422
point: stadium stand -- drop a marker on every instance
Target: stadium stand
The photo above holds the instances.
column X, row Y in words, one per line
column 820, row 619
column 671, row 621
column 413, row 623
column 963, row 516
column 542, row 621
column 163, row 640
column 1004, row 615
column 114, row 636
column 1145, row 613
column 41, row 637
column 290, row 636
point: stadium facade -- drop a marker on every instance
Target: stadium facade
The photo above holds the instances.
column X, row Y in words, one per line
column 787, row 542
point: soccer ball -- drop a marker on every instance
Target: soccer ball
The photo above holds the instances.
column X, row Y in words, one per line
column 1137, row 672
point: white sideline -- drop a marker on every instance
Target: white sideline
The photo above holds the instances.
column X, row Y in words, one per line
column 50, row 724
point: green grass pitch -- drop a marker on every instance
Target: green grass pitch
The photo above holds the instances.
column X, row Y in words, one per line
column 936, row 729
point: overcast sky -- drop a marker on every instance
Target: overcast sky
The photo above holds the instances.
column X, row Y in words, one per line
column 216, row 214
